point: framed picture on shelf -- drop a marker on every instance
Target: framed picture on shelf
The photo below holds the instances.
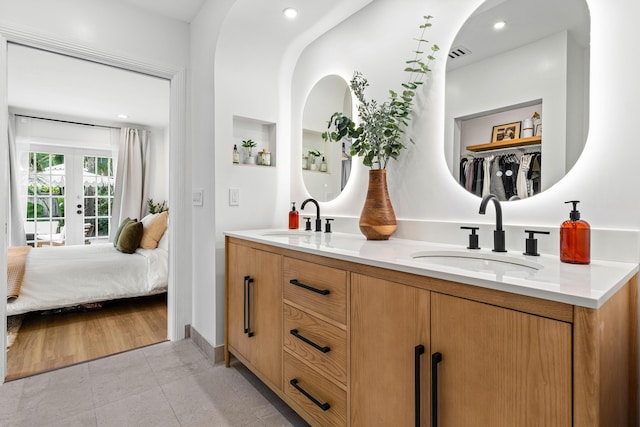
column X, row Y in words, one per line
column 506, row 132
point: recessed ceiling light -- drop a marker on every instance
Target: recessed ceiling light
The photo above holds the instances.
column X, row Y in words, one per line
column 499, row 25
column 290, row 12
column 122, row 116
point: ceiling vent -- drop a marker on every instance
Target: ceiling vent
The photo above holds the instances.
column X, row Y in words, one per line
column 458, row 52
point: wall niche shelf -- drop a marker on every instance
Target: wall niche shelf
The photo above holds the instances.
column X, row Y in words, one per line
column 511, row 143
column 262, row 132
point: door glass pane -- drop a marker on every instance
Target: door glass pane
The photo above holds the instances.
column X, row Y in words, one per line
column 99, row 185
column 45, row 212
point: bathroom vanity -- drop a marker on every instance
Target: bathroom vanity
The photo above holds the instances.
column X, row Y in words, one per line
column 351, row 332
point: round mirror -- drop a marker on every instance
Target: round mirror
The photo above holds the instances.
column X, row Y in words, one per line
column 514, row 68
column 325, row 165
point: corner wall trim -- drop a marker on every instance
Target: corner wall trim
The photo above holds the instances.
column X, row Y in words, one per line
column 214, row 354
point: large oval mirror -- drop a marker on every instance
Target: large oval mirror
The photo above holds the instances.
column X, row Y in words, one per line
column 326, row 166
column 514, row 68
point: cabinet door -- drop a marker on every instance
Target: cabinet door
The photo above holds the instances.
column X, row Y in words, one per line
column 500, row 367
column 388, row 323
column 255, row 309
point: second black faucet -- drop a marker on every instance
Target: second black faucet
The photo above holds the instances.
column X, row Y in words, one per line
column 318, row 220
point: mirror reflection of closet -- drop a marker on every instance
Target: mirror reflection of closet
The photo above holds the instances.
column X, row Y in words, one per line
column 523, row 78
column 326, row 166
column 65, row 110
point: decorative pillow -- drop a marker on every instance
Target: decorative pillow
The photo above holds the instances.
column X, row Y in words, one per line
column 124, row 222
column 153, row 231
column 129, row 238
column 147, row 219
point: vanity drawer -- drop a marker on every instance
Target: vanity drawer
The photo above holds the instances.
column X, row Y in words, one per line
column 317, row 342
column 313, row 392
column 318, row 288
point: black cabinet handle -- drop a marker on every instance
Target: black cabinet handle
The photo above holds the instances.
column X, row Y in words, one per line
column 244, row 304
column 435, row 359
column 247, row 305
column 310, row 288
column 324, row 349
column 418, row 351
column 324, row 406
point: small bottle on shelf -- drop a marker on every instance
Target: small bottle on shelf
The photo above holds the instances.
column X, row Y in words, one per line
column 323, row 165
column 236, row 155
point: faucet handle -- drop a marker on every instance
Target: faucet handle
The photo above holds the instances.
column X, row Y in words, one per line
column 308, row 224
column 473, row 237
column 531, row 244
column 327, row 226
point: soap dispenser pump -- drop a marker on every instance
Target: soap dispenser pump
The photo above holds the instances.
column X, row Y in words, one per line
column 575, row 238
column 294, row 217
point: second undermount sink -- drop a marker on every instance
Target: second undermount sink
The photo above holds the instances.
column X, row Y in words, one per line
column 477, row 261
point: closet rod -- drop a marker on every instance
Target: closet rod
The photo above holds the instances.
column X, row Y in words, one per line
column 68, row 121
column 535, row 148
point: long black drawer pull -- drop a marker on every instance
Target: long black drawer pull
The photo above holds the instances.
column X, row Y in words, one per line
column 435, row 359
column 324, row 349
column 419, row 351
column 310, row 288
column 244, row 304
column 324, row 406
column 248, row 331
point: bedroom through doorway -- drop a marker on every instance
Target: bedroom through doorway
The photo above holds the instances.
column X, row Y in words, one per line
column 59, row 102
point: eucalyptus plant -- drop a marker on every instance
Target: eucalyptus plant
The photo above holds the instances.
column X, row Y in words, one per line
column 378, row 136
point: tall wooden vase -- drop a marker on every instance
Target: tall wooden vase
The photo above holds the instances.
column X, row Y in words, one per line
column 377, row 219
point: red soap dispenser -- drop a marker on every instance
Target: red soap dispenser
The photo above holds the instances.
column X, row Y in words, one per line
column 293, row 217
column 575, row 238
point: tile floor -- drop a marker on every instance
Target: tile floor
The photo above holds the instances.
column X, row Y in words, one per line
column 167, row 384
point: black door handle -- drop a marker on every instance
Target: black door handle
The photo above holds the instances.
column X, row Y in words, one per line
column 418, row 351
column 310, row 288
column 324, row 349
column 324, row 406
column 435, row 359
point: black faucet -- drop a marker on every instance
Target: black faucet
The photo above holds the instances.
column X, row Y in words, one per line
column 318, row 220
column 498, row 233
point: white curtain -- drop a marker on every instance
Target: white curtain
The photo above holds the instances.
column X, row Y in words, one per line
column 131, row 176
column 17, row 235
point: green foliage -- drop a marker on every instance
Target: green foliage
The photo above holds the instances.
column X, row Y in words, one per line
column 157, row 207
column 315, row 153
column 378, row 136
column 248, row 144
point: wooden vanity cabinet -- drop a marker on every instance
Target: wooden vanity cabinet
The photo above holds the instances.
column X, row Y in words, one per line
column 390, row 353
column 500, row 367
column 254, row 311
column 492, row 357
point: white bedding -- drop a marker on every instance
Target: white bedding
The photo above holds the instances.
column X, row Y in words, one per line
column 63, row 276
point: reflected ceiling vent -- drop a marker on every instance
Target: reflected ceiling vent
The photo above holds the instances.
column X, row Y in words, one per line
column 458, row 52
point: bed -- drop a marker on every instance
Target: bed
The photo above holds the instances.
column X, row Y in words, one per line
column 67, row 276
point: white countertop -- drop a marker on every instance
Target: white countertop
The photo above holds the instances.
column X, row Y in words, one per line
column 536, row 276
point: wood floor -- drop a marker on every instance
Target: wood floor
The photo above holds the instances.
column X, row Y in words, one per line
column 51, row 341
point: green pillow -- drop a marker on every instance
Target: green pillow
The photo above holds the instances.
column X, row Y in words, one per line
column 124, row 222
column 130, row 237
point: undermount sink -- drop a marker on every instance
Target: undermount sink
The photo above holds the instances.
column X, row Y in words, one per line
column 477, row 261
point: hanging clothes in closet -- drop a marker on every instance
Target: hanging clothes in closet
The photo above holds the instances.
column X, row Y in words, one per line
column 506, row 175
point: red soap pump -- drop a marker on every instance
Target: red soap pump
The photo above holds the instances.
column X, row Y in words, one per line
column 293, row 217
column 575, row 238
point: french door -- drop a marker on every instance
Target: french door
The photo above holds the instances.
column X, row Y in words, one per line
column 69, row 196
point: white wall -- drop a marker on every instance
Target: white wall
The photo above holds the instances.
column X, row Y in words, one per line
column 208, row 281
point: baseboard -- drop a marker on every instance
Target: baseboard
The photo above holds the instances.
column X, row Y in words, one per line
column 214, row 354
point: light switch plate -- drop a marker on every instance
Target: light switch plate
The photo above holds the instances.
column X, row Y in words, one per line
column 234, row 197
column 196, row 196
